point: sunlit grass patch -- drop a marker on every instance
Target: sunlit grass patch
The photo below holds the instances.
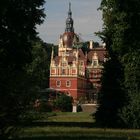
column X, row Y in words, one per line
column 71, row 117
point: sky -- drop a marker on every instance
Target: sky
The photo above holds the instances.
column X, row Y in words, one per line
column 87, row 19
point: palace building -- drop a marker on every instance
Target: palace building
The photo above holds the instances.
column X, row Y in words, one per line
column 73, row 71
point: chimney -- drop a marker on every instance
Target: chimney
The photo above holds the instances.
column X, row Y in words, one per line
column 104, row 45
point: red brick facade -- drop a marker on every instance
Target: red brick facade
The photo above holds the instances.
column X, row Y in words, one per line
column 72, row 86
column 76, row 74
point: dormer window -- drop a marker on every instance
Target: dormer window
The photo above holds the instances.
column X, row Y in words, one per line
column 95, row 62
column 64, row 64
column 74, row 63
column 81, row 63
column 95, row 59
column 63, row 71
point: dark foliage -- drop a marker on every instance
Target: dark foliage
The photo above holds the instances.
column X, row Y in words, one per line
column 63, row 103
column 111, row 97
column 121, row 34
column 18, row 20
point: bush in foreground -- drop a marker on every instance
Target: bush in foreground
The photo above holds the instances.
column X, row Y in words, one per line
column 63, row 103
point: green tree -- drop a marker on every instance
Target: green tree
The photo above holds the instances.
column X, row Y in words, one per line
column 39, row 69
column 131, row 60
column 112, row 96
column 63, row 103
column 18, row 20
column 120, row 32
column 131, row 111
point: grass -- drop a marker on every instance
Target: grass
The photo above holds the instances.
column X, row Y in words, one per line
column 72, row 126
column 78, row 133
column 71, row 117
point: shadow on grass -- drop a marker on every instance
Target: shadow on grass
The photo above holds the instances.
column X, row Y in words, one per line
column 65, row 124
column 72, row 138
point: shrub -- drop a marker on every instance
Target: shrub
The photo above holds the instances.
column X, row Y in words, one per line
column 63, row 103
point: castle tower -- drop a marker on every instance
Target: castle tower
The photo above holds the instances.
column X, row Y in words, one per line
column 69, row 38
column 67, row 69
column 72, row 71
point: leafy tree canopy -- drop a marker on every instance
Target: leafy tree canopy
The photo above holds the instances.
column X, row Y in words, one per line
column 18, row 20
column 121, row 33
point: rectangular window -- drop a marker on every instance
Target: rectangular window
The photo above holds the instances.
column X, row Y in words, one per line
column 73, row 71
column 68, row 83
column 63, row 71
column 95, row 75
column 82, row 63
column 95, row 63
column 64, row 64
column 53, row 71
column 58, row 83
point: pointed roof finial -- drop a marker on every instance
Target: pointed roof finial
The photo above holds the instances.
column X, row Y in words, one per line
column 52, row 53
column 69, row 6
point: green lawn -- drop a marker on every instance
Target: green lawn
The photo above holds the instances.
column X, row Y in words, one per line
column 72, row 126
column 71, row 117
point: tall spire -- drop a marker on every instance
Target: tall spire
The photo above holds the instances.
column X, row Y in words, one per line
column 69, row 6
column 69, row 13
column 69, row 21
